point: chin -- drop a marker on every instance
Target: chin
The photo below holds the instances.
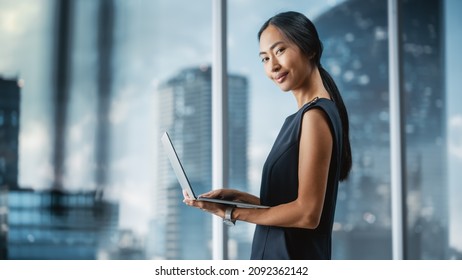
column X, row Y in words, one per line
column 284, row 89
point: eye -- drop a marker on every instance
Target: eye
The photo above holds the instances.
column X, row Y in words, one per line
column 279, row 51
column 264, row 59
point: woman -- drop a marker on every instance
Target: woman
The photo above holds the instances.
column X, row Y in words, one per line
column 310, row 155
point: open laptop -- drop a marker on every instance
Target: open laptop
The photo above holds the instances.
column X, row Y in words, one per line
column 184, row 182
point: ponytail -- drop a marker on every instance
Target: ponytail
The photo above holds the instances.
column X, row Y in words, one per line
column 334, row 93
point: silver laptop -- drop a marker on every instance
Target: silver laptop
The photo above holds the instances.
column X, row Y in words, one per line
column 184, row 182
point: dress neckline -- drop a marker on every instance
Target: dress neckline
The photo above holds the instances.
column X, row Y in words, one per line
column 313, row 101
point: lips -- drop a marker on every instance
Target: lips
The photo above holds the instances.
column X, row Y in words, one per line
column 280, row 77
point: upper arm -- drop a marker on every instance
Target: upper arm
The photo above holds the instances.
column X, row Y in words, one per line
column 315, row 152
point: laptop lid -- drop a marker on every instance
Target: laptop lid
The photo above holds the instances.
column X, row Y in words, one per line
column 176, row 165
column 183, row 179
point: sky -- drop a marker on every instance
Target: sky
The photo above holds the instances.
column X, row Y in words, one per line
column 172, row 40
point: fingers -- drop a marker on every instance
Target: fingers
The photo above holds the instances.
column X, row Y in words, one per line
column 185, row 194
column 193, row 203
column 189, row 202
column 209, row 207
column 219, row 193
column 210, row 194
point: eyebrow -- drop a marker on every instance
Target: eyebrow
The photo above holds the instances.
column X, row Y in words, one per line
column 272, row 46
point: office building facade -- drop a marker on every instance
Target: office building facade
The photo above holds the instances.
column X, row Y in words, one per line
column 10, row 97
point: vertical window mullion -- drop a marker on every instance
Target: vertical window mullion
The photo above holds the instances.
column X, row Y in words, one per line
column 219, row 120
column 397, row 135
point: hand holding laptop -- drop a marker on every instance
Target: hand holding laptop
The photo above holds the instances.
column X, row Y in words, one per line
column 250, row 201
column 232, row 195
column 226, row 197
column 211, row 207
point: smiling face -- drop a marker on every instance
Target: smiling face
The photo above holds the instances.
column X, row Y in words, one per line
column 283, row 61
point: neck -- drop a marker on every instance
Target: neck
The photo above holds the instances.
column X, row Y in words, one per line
column 311, row 89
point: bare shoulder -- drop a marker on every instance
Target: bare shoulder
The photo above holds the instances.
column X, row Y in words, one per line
column 316, row 119
column 315, row 146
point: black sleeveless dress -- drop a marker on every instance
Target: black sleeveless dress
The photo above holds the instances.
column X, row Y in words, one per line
column 280, row 185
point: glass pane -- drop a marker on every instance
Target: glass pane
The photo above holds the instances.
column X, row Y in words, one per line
column 96, row 79
column 356, row 51
column 173, row 55
column 354, row 34
column 432, row 69
column 425, row 118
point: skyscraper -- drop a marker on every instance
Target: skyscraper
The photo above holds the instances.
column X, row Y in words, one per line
column 184, row 106
column 9, row 132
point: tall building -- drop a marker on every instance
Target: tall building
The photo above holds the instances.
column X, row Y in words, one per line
column 355, row 37
column 185, row 112
column 9, row 132
column 9, row 141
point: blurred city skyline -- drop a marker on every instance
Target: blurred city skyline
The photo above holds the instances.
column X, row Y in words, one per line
column 142, row 62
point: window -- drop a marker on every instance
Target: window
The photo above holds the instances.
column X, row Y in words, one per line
column 137, row 68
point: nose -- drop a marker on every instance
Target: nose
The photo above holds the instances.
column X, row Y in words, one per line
column 275, row 67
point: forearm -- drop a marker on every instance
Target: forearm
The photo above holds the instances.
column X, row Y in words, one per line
column 285, row 215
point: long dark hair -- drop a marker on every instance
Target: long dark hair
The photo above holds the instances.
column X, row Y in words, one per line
column 302, row 32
